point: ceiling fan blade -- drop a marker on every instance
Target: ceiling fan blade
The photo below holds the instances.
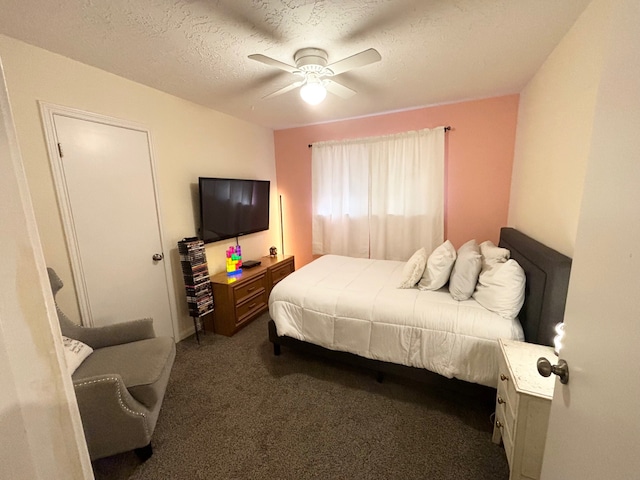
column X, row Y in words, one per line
column 338, row 89
column 286, row 89
column 354, row 61
column 273, row 62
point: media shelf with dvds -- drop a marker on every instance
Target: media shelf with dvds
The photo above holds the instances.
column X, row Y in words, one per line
column 197, row 283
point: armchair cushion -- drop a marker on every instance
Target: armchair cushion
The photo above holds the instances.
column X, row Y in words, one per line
column 142, row 365
column 75, row 352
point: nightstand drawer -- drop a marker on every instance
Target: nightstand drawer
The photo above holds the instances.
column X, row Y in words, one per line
column 506, row 432
column 505, row 382
column 507, row 390
column 506, row 412
column 508, row 400
column 249, row 289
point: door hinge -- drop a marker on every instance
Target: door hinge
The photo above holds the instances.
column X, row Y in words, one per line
column 60, row 150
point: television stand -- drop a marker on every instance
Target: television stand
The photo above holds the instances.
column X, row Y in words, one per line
column 251, row 263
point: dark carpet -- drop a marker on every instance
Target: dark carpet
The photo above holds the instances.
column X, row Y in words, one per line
column 233, row 410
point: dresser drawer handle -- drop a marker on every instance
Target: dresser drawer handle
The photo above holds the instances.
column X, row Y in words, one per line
column 252, row 305
column 499, row 424
column 503, row 377
column 251, row 289
column 500, row 400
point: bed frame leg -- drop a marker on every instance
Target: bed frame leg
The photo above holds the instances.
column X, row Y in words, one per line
column 379, row 377
column 276, row 349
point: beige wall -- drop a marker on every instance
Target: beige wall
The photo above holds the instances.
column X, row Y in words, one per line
column 555, row 119
column 188, row 141
column 42, row 433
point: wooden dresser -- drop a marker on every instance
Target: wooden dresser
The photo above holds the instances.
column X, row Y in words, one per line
column 523, row 403
column 240, row 299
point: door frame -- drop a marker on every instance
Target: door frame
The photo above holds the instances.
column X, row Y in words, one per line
column 47, row 112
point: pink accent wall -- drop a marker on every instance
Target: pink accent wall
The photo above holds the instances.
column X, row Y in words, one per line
column 478, row 162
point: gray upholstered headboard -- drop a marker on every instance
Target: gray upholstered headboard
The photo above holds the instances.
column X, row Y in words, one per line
column 547, row 274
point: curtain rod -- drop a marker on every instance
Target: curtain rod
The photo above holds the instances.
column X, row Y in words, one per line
column 446, row 129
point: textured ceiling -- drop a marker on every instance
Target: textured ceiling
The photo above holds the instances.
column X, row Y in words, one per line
column 433, row 51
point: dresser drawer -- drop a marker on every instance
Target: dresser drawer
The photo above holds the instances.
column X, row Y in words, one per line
column 280, row 272
column 242, row 298
column 250, row 306
column 249, row 289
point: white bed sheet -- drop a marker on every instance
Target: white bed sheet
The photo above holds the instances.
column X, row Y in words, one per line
column 354, row 305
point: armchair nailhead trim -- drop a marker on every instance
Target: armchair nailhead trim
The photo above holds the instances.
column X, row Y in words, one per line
column 120, row 401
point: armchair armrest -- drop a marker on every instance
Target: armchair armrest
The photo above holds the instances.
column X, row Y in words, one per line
column 116, row 334
column 113, row 421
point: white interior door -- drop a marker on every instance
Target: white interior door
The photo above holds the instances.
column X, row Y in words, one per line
column 594, row 428
column 114, row 222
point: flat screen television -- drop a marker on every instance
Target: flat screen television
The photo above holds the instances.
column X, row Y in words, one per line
column 231, row 207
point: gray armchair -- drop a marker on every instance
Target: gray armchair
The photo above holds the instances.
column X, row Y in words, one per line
column 121, row 385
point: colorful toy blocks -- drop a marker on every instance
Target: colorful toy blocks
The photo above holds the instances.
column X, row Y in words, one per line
column 234, row 260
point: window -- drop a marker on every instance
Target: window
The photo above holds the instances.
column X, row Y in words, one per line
column 379, row 197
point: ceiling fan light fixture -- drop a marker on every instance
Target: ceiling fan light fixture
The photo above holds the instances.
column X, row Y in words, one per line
column 313, row 92
column 311, row 65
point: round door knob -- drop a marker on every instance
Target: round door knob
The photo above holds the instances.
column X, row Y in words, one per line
column 503, row 377
column 561, row 369
column 157, row 257
column 498, row 424
column 500, row 400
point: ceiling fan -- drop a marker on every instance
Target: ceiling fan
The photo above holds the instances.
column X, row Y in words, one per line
column 311, row 65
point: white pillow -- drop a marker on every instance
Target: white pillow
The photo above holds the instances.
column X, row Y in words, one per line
column 439, row 265
column 492, row 254
column 75, row 352
column 501, row 289
column 466, row 269
column 413, row 269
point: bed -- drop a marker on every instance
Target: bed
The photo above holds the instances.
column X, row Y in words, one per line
column 352, row 309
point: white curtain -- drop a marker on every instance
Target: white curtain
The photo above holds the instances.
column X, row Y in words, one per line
column 380, row 197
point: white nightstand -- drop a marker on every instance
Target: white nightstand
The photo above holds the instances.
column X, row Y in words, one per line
column 523, row 402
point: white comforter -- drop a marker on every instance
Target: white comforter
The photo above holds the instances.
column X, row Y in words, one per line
column 353, row 305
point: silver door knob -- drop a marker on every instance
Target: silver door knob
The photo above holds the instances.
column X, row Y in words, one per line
column 561, row 369
column 157, row 257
